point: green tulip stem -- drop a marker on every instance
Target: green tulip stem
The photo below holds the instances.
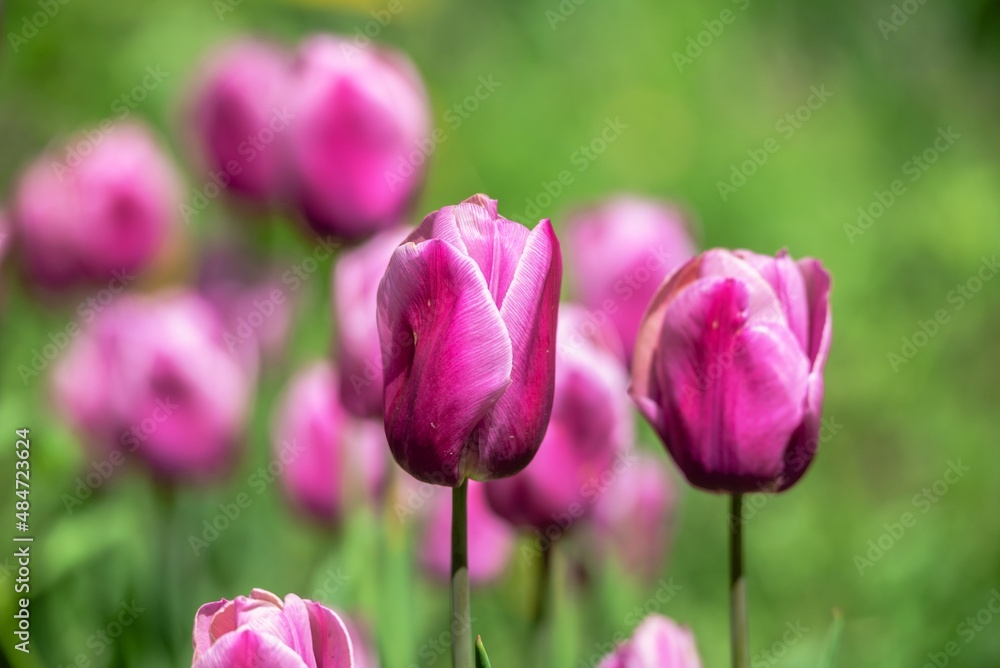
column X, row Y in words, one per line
column 461, row 616
column 740, row 639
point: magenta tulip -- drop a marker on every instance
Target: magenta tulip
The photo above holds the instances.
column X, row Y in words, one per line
column 634, row 517
column 152, row 376
column 622, row 249
column 239, row 115
column 587, row 442
column 357, row 146
column 657, row 643
column 329, row 456
column 728, row 368
column 98, row 216
column 262, row 631
column 467, row 322
column 490, row 539
column 356, row 278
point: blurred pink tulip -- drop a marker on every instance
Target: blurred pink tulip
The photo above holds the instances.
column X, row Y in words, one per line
column 657, row 643
column 262, row 631
column 255, row 305
column 634, row 517
column 356, row 278
column 490, row 539
column 238, row 113
column 467, row 321
column 151, row 375
column 360, row 117
column 728, row 368
column 587, row 442
column 622, row 249
column 329, row 455
column 101, row 212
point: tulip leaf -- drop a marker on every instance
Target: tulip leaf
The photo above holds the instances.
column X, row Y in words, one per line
column 482, row 661
column 829, row 657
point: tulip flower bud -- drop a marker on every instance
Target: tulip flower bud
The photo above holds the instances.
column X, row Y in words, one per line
column 587, row 440
column 728, row 368
column 634, row 517
column 657, row 643
column 262, row 630
column 328, row 455
column 467, row 322
column 238, row 115
column 152, row 376
column 490, row 539
column 622, row 250
column 356, row 278
column 358, row 143
column 97, row 216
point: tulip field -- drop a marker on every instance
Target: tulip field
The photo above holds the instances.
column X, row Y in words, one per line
column 413, row 334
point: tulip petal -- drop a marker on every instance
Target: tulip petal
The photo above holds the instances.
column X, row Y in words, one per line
column 247, row 649
column 202, row 636
column 448, row 356
column 736, row 382
column 332, row 645
column 530, row 312
column 786, row 279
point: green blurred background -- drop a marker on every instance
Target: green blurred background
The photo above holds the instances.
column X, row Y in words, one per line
column 564, row 69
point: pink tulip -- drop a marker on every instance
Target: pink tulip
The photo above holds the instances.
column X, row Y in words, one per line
column 329, row 455
column 728, row 368
column 262, row 631
column 587, row 439
column 622, row 250
column 357, row 145
column 100, row 211
column 490, row 539
column 239, row 114
column 634, row 516
column 252, row 300
column 657, row 643
column 356, row 278
column 152, row 376
column 467, row 321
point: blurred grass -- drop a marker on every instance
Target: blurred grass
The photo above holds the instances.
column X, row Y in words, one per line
column 685, row 131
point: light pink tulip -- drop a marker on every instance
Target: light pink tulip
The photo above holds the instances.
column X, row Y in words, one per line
column 262, row 631
column 356, row 278
column 657, row 643
column 622, row 249
column 329, row 455
column 239, row 116
column 98, row 211
column 490, row 539
column 151, row 376
column 359, row 117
